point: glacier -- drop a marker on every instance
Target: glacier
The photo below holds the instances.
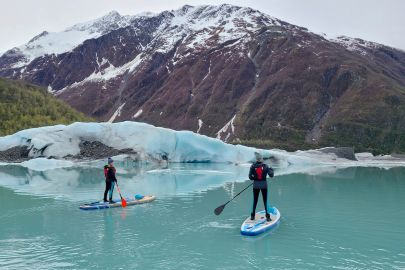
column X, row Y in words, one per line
column 164, row 162
column 156, row 144
column 149, row 142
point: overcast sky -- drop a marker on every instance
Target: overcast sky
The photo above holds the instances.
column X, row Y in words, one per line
column 374, row 20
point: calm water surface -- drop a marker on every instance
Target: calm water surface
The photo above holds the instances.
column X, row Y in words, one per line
column 351, row 218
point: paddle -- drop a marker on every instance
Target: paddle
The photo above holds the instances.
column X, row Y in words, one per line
column 220, row 208
column 123, row 201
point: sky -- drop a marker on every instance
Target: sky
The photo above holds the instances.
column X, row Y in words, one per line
column 373, row 20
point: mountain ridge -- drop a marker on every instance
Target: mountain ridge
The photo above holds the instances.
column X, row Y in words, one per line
column 115, row 18
column 233, row 73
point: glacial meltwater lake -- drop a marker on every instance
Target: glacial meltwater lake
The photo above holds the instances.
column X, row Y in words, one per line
column 350, row 218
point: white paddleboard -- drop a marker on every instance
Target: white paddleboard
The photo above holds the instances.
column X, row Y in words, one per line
column 105, row 205
column 260, row 225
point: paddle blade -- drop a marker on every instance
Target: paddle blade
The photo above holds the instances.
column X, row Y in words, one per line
column 123, row 202
column 219, row 209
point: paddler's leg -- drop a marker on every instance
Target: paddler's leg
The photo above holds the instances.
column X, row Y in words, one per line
column 264, row 195
column 255, row 199
column 111, row 190
column 107, row 188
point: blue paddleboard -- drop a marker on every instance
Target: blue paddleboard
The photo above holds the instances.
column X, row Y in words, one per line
column 105, row 205
column 260, row 225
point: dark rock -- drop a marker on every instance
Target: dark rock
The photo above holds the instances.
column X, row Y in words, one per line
column 15, row 154
column 88, row 150
column 340, row 152
column 97, row 150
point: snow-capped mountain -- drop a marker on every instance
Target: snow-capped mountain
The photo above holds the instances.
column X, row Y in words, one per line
column 56, row 43
column 229, row 72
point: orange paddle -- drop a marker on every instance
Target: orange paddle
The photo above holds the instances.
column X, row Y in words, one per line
column 123, row 201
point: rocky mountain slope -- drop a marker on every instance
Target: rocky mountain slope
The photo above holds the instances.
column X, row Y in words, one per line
column 225, row 71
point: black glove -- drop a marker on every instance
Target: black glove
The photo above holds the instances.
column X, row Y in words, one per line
column 271, row 172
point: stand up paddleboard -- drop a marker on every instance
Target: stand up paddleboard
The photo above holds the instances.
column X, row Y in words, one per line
column 260, row 225
column 105, row 205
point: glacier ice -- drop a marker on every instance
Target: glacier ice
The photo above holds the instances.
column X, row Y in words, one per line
column 148, row 141
column 196, row 162
column 159, row 144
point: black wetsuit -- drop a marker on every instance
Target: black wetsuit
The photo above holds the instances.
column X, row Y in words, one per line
column 258, row 173
column 109, row 182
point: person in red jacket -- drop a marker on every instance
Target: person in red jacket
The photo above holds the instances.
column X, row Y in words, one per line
column 110, row 180
column 258, row 172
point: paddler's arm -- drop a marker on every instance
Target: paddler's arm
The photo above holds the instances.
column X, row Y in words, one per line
column 270, row 172
column 111, row 175
column 251, row 173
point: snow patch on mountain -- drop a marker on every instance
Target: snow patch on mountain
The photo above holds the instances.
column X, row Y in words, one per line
column 50, row 90
column 110, row 72
column 138, row 113
column 200, row 124
column 116, row 113
column 228, row 129
column 208, row 73
column 355, row 44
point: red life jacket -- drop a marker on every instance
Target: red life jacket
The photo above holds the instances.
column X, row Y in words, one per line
column 259, row 172
column 106, row 168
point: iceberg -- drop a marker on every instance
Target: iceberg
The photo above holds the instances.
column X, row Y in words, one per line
column 62, row 145
column 147, row 141
column 156, row 161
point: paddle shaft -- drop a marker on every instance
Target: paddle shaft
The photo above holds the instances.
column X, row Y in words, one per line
column 238, row 194
column 118, row 188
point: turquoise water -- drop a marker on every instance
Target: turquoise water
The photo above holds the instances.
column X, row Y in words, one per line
column 351, row 218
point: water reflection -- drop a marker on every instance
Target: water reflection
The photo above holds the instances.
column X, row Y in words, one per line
column 87, row 183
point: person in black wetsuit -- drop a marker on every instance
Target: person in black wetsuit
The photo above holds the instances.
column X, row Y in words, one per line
column 110, row 179
column 258, row 172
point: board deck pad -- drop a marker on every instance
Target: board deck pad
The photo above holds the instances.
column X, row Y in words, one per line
column 260, row 225
column 116, row 203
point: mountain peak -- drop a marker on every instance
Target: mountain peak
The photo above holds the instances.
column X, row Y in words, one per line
column 185, row 8
column 44, row 33
column 112, row 14
column 227, row 21
column 213, row 10
column 355, row 44
column 104, row 24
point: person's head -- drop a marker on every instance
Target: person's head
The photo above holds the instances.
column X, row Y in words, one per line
column 110, row 161
column 259, row 157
